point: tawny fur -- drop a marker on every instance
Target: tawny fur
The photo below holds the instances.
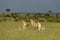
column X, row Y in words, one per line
column 32, row 23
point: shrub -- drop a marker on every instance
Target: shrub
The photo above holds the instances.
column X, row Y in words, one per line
column 50, row 19
column 4, row 19
column 58, row 20
column 27, row 20
column 16, row 19
column 0, row 20
column 41, row 20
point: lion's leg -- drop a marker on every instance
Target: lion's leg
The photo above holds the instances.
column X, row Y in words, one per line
column 24, row 26
column 39, row 26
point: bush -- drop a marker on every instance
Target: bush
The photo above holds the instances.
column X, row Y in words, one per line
column 0, row 20
column 50, row 20
column 4, row 19
column 27, row 20
column 57, row 20
column 16, row 19
column 41, row 20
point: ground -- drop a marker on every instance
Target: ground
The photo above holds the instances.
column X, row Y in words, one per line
column 10, row 31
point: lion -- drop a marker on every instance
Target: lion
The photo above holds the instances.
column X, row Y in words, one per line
column 36, row 24
column 32, row 23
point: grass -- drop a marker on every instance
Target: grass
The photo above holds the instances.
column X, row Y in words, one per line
column 10, row 31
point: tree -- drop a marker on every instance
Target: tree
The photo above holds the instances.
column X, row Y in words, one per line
column 49, row 11
column 47, row 15
column 7, row 10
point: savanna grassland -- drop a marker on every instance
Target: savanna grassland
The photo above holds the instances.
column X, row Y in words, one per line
column 10, row 26
column 10, row 31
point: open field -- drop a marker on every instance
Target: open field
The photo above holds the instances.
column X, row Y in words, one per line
column 10, row 31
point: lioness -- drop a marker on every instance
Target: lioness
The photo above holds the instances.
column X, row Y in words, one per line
column 32, row 23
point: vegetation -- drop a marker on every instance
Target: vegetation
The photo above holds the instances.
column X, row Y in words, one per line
column 10, row 25
column 43, row 17
column 7, row 10
column 10, row 31
column 49, row 11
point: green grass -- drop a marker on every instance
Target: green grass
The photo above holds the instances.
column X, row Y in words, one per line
column 10, row 31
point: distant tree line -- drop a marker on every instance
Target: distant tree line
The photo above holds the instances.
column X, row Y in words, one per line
column 42, row 17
